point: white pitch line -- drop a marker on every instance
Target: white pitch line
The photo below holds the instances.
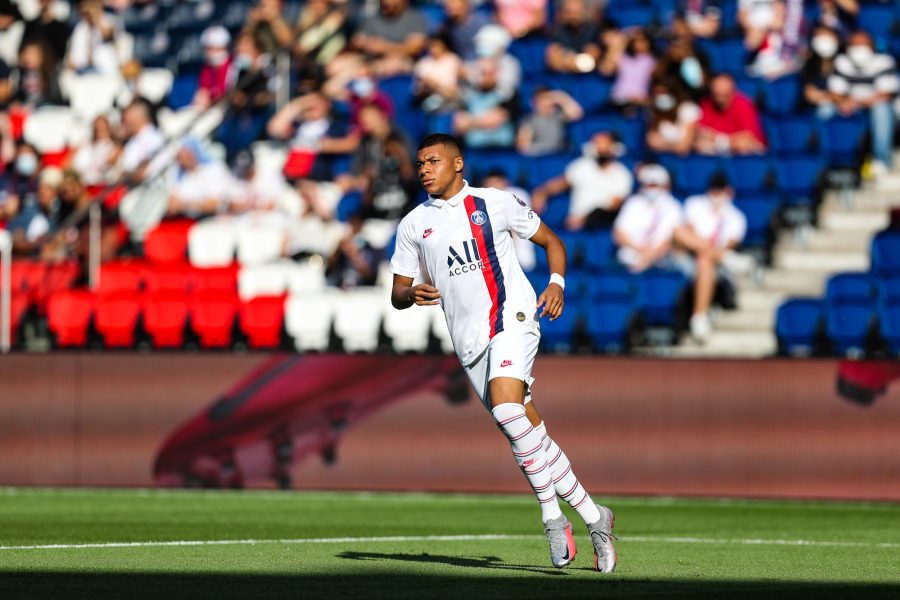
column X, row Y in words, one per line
column 452, row 538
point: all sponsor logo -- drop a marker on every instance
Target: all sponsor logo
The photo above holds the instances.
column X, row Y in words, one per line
column 465, row 260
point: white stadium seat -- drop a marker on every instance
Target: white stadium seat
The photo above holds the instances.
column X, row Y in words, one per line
column 306, row 278
column 259, row 243
column 261, row 280
column 307, row 319
column 92, row 94
column 47, row 129
column 155, row 84
column 408, row 329
column 211, row 243
column 357, row 318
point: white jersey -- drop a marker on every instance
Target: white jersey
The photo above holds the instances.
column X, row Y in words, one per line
column 464, row 248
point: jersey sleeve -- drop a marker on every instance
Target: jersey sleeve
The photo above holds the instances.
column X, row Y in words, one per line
column 405, row 261
column 521, row 219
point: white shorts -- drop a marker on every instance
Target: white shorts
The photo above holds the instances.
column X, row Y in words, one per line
column 509, row 354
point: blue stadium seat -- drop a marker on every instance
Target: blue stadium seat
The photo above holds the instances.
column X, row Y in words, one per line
column 184, row 86
column 728, row 55
column 625, row 16
column 575, row 242
column 144, row 19
column 749, row 86
column 349, row 206
column 760, row 213
column 658, row 295
column 889, row 291
column 555, row 214
column 799, row 179
column 191, row 16
column 749, row 174
column 611, row 285
column 877, row 19
column 889, row 326
column 599, row 250
column 233, row 15
column 399, row 89
column 797, row 325
column 781, row 96
column 790, row 135
column 590, row 90
column 543, row 168
column 629, row 131
column 531, row 54
column 692, row 173
column 480, row 162
column 849, row 288
column 434, row 14
column 848, row 327
column 842, row 140
column 886, row 254
column 608, row 324
column 439, row 123
column 189, row 54
column 558, row 335
column 152, row 49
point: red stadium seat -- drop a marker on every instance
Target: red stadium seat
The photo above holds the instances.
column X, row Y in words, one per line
column 56, row 277
column 212, row 318
column 173, row 277
column 167, row 243
column 124, row 276
column 19, row 306
column 216, row 279
column 261, row 320
column 165, row 317
column 68, row 316
column 116, row 317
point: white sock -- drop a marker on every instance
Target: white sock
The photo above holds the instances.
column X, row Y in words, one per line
column 528, row 450
column 566, row 484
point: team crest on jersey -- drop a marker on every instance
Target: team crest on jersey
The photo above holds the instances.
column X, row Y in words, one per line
column 479, row 218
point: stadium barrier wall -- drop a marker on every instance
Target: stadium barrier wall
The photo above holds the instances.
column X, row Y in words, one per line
column 771, row 428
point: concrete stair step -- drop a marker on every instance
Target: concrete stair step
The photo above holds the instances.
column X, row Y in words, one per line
column 844, row 241
column 746, row 320
column 810, row 260
column 753, row 344
column 854, row 221
column 759, row 299
column 795, row 283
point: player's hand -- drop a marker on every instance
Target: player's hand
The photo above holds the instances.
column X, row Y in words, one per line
column 552, row 301
column 424, row 295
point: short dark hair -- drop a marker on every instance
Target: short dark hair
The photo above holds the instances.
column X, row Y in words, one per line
column 718, row 181
column 441, row 139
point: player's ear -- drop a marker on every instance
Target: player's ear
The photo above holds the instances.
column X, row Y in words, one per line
column 459, row 164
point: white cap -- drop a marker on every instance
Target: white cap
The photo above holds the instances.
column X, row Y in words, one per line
column 51, row 176
column 653, row 175
column 492, row 40
column 215, row 36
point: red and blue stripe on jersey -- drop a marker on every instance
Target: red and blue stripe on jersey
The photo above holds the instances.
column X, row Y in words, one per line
column 493, row 276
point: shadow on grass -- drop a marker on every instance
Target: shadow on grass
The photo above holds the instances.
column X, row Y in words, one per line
column 483, row 562
column 513, row 584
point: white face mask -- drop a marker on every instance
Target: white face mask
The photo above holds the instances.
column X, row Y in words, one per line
column 859, row 54
column 664, row 102
column 216, row 58
column 824, row 45
column 26, row 164
column 653, row 193
column 720, row 199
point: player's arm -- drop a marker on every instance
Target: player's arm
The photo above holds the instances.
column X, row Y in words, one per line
column 404, row 294
column 552, row 297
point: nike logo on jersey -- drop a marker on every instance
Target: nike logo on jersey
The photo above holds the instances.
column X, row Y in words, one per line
column 427, row 232
column 506, row 363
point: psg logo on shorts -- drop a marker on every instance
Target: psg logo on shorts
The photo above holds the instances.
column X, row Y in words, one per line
column 479, row 218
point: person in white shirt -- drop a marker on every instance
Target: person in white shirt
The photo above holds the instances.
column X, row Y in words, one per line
column 598, row 181
column 93, row 160
column 144, row 143
column 458, row 244
column 92, row 46
column 199, row 185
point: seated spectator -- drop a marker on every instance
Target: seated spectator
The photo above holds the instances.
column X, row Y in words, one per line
column 729, row 122
column 713, row 229
column 12, row 30
column 142, row 144
column 198, row 185
column 755, row 16
column 630, row 58
column 544, row 130
column 38, row 79
column 36, row 216
column 269, row 29
column 216, row 74
column 778, row 47
column 486, row 120
column 436, row 77
column 258, row 192
column 461, row 25
column 524, row 248
column 575, row 46
column 21, row 175
column 865, row 80
column 599, row 184
column 355, row 261
column 321, row 35
column 701, row 17
column 49, row 31
column 645, row 229
column 394, row 37
column 492, row 42
column 94, row 159
column 521, row 17
column 92, row 47
column 839, row 15
column 673, row 120
column 819, row 67
column 684, row 64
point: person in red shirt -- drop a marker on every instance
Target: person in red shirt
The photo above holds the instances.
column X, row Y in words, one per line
column 217, row 76
column 729, row 122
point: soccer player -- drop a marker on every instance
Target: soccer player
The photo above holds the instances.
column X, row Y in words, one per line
column 459, row 244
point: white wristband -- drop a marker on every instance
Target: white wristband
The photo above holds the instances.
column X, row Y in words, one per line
column 558, row 280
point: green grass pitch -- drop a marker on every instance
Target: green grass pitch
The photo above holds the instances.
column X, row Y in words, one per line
column 184, row 544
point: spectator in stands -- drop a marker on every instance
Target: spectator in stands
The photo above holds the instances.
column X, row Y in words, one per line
column 599, row 184
column 257, row 191
column 684, row 64
column 216, row 75
column 92, row 47
column 645, row 229
column 521, row 17
column 713, row 229
column 35, row 218
column 755, row 16
column 23, row 173
column 48, row 30
column 778, row 47
column 574, row 46
column 544, row 130
column 11, row 31
column 198, row 184
column 394, row 37
column 487, row 118
column 673, row 120
column 524, row 248
column 93, row 160
column 382, row 167
column 461, row 25
column 436, row 77
column 37, row 78
column 865, row 80
column 143, row 142
column 321, row 35
column 492, row 42
column 269, row 29
column 355, row 261
column 729, row 122
column 839, row 15
column 702, row 18
column 630, row 58
column 364, row 90
column 819, row 67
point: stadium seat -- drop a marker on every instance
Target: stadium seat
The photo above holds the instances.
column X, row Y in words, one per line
column 357, row 318
column 188, row 51
column 191, row 16
column 259, row 244
column 626, row 15
column 543, row 168
column 308, row 319
column 116, row 318
column 658, row 295
column 531, row 52
column 306, row 278
column 559, row 335
column 598, row 250
column 611, row 286
column 849, row 288
column 554, row 215
column 165, row 318
column 728, row 55
column 168, row 242
column 799, row 178
column 152, row 48
column 842, row 140
column 120, row 276
column 211, row 243
column 889, row 291
column 261, row 320
column 57, row 277
column 797, row 326
column 213, row 318
column 591, row 90
column 886, row 254
column 144, row 17
column 608, row 325
column 877, row 19
column 261, row 280
column 692, row 173
column 781, row 96
column 93, row 94
column 479, row 163
column 399, row 88
column 184, row 87
column 409, row 330
column 155, row 84
column 889, row 326
column 790, row 135
column 48, row 129
column 847, row 327
column 222, row 280
column 172, row 277
column 749, row 174
column 69, row 315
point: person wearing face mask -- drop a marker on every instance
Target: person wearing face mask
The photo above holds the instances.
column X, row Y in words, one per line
column 864, row 80
column 37, row 214
column 598, row 181
column 823, row 47
column 216, row 76
column 672, row 120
